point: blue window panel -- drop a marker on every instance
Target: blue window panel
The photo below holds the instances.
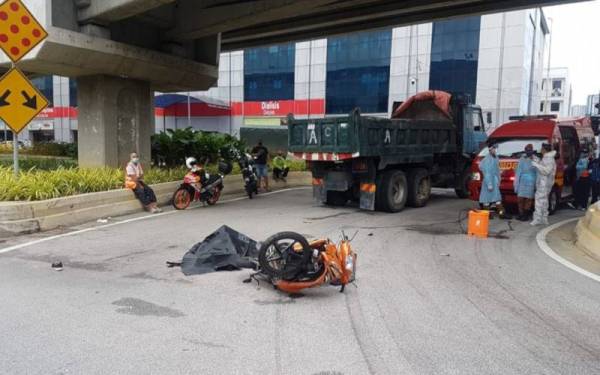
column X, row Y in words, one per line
column 46, row 87
column 72, row 92
column 269, row 72
column 358, row 71
column 455, row 55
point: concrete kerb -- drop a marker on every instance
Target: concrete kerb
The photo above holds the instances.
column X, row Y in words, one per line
column 543, row 245
column 29, row 217
column 588, row 232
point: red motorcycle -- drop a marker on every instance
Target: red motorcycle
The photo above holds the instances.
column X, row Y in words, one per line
column 199, row 185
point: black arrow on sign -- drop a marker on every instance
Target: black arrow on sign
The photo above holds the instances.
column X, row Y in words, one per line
column 29, row 101
column 3, row 102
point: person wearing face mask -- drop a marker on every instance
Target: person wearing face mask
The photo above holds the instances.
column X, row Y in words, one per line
column 134, row 180
column 546, row 171
column 524, row 183
column 490, row 196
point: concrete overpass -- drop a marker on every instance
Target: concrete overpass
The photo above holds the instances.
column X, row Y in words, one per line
column 123, row 50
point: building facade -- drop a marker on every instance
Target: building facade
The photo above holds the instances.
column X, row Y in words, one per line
column 590, row 106
column 556, row 92
column 497, row 60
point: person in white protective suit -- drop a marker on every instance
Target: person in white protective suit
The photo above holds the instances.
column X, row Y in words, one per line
column 546, row 170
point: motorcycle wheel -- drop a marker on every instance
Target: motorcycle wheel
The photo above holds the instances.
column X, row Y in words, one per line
column 249, row 191
column 214, row 198
column 182, row 198
column 273, row 252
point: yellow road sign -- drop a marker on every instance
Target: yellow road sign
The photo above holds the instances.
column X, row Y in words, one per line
column 19, row 30
column 20, row 101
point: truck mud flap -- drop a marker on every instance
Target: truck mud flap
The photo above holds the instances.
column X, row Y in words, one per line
column 367, row 196
column 319, row 192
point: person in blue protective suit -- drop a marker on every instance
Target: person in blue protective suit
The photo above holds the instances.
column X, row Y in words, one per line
column 490, row 196
column 524, row 184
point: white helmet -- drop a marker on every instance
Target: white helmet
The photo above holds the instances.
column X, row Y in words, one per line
column 191, row 163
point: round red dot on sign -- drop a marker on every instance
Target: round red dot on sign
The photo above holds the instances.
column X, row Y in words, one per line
column 37, row 33
column 26, row 42
column 14, row 29
column 3, row 38
column 3, row 16
column 15, row 51
column 25, row 20
column 14, row 6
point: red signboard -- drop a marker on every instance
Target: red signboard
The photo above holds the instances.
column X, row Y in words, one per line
column 279, row 108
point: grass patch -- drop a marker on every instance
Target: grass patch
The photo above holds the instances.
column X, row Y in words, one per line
column 37, row 184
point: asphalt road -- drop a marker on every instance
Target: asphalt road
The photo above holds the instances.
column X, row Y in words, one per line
column 429, row 300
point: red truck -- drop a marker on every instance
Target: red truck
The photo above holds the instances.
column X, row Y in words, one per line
column 568, row 138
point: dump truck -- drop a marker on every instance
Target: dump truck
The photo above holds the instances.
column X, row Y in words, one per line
column 384, row 164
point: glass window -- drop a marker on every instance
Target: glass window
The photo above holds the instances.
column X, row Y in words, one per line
column 358, row 70
column 44, row 84
column 541, row 106
column 556, row 84
column 455, row 69
column 555, row 106
column 72, row 92
column 269, row 72
column 514, row 148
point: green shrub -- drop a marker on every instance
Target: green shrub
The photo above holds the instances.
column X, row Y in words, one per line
column 170, row 148
column 44, row 148
column 28, row 163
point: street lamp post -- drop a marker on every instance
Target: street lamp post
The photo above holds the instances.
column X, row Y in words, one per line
column 548, row 83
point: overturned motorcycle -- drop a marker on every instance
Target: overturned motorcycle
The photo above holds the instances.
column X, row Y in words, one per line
column 292, row 264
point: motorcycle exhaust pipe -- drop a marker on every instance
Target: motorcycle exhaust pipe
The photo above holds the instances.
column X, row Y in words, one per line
column 211, row 186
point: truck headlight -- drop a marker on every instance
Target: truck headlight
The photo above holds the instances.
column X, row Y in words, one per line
column 476, row 176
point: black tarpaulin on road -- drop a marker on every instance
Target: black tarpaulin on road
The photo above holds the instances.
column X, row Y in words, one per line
column 223, row 250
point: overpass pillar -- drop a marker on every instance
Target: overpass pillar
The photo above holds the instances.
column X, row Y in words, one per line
column 116, row 117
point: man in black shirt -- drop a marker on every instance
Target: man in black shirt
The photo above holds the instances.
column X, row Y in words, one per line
column 261, row 156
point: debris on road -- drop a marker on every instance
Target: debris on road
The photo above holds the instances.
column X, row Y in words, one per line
column 444, row 254
column 102, row 221
column 57, row 266
column 224, row 250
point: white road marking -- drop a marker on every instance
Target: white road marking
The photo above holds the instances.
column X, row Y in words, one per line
column 140, row 218
column 541, row 240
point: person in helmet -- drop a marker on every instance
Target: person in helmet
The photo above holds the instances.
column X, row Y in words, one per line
column 524, row 183
column 134, row 180
column 490, row 196
column 197, row 169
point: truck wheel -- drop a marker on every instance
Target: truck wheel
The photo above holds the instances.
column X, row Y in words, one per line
column 463, row 190
column 337, row 198
column 393, row 191
column 419, row 187
column 553, row 201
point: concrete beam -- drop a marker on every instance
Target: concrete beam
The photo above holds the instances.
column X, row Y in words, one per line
column 106, row 11
column 194, row 21
column 73, row 54
column 366, row 17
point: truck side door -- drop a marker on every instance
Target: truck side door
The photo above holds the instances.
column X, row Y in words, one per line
column 473, row 130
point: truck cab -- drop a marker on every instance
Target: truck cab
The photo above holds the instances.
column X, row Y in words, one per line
column 512, row 137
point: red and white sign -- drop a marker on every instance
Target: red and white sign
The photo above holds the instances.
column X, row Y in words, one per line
column 279, row 108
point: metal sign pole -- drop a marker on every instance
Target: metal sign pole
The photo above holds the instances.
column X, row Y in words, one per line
column 16, row 153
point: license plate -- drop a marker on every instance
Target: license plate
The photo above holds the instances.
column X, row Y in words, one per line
column 504, row 165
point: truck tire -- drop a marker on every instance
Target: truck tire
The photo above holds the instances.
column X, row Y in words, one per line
column 393, row 192
column 336, row 198
column 462, row 191
column 419, row 187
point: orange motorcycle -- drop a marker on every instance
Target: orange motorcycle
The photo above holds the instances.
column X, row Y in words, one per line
column 294, row 264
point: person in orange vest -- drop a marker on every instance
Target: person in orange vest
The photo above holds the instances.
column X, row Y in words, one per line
column 582, row 184
column 134, row 180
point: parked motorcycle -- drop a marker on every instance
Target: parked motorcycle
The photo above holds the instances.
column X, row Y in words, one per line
column 294, row 264
column 199, row 185
column 246, row 163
